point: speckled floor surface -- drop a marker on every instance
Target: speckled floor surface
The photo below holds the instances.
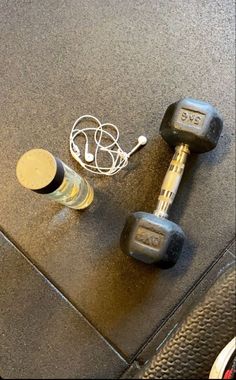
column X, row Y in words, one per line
column 123, row 62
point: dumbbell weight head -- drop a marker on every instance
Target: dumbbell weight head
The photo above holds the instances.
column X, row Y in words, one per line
column 192, row 122
column 151, row 239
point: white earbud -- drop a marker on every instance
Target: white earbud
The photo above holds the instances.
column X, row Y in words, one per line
column 89, row 157
column 142, row 140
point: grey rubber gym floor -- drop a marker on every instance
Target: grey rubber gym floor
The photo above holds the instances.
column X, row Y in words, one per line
column 123, row 61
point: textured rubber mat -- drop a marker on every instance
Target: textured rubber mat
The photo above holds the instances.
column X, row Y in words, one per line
column 192, row 349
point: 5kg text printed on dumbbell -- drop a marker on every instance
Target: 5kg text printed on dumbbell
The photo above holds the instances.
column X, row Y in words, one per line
column 190, row 126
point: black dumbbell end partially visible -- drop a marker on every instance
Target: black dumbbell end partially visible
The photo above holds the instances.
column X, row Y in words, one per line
column 151, row 239
column 192, row 122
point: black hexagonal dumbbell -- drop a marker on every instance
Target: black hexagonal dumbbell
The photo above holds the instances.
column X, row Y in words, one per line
column 189, row 125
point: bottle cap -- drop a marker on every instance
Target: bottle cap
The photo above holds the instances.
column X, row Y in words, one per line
column 40, row 171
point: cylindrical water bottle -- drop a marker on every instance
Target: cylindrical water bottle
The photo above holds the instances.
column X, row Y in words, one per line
column 40, row 171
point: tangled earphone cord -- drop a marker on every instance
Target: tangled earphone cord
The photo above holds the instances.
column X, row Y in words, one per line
column 119, row 158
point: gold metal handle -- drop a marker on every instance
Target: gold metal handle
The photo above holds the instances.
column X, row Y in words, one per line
column 171, row 181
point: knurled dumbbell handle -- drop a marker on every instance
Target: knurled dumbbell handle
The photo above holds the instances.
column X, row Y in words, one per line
column 171, row 181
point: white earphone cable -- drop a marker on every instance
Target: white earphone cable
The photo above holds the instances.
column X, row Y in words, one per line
column 118, row 157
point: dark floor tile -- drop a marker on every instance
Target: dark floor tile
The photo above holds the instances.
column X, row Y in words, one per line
column 42, row 335
column 124, row 64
